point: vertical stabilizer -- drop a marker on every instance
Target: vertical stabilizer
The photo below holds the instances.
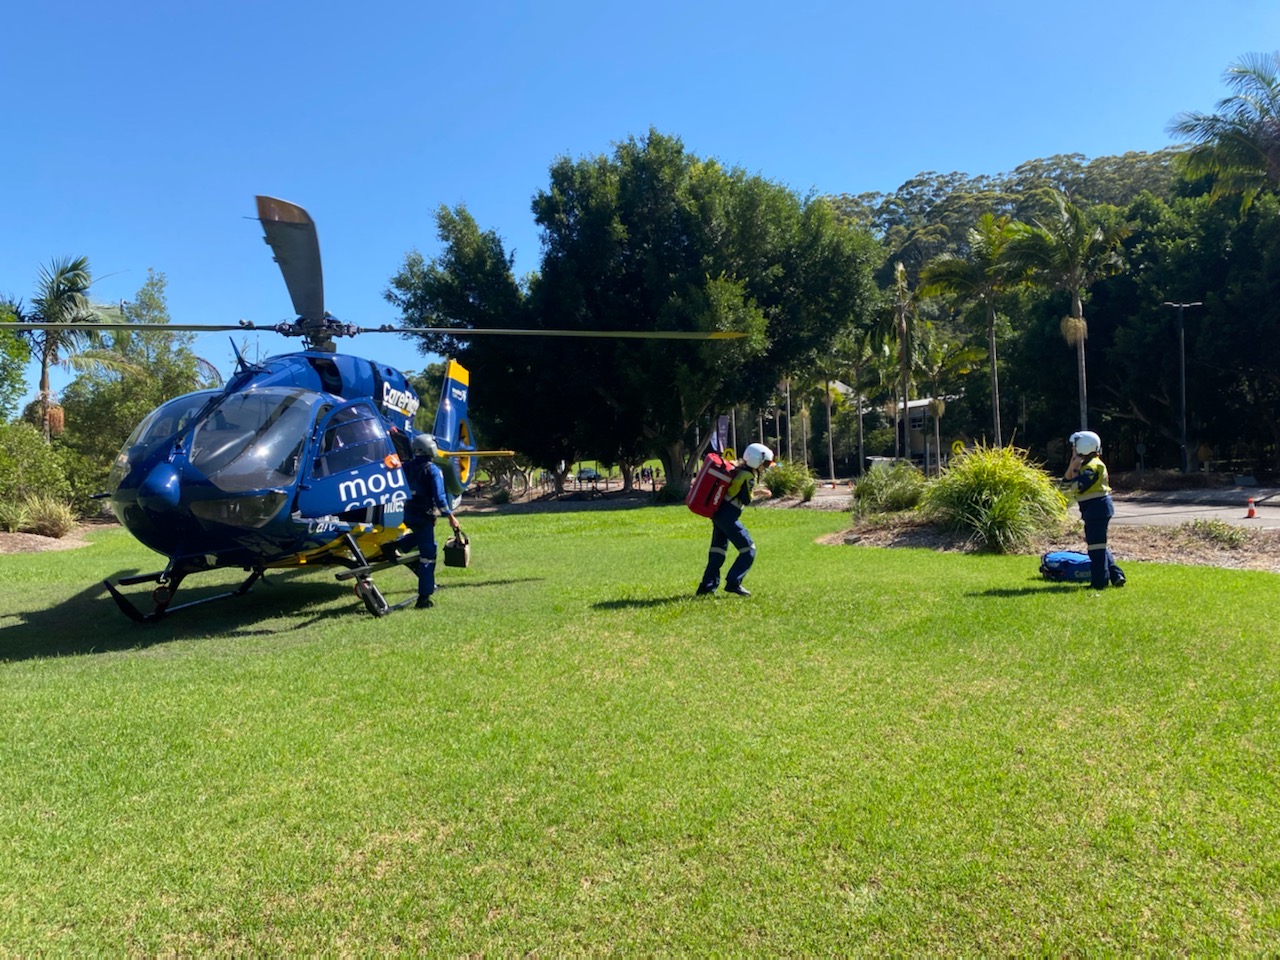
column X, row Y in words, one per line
column 452, row 429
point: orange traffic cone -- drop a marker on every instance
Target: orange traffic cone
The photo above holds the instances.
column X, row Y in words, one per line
column 1252, row 514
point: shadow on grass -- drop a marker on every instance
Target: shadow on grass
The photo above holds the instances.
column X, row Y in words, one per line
column 567, row 502
column 486, row 583
column 90, row 622
column 637, row 603
column 1039, row 588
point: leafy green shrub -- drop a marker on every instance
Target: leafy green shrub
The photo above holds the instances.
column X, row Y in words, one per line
column 884, row 489
column 85, row 478
column 14, row 515
column 787, row 478
column 1215, row 531
column 998, row 497
column 29, row 466
column 49, row 516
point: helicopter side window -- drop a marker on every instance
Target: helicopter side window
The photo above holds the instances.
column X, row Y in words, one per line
column 354, row 437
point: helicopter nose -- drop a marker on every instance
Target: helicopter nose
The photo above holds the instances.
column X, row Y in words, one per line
column 160, row 490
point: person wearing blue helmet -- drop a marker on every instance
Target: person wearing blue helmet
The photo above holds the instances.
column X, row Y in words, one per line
column 428, row 498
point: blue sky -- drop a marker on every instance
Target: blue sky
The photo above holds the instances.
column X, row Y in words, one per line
column 138, row 133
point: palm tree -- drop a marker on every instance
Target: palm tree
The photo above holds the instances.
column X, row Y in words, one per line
column 862, row 353
column 1070, row 252
column 1239, row 146
column 62, row 298
column 940, row 362
column 903, row 306
column 978, row 278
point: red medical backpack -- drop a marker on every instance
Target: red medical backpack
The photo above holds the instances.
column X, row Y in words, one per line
column 709, row 486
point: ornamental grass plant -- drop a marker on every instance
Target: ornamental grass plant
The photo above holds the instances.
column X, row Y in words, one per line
column 48, row 516
column 997, row 497
column 886, row 489
column 790, row 478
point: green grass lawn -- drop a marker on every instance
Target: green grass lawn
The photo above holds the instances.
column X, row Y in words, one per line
column 889, row 751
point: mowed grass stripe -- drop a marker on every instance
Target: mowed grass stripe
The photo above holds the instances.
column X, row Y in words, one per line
column 888, row 750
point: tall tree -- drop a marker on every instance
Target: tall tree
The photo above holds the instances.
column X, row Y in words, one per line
column 62, row 298
column 649, row 238
column 980, row 278
column 14, row 354
column 940, row 363
column 1070, row 251
column 903, row 306
column 1239, row 145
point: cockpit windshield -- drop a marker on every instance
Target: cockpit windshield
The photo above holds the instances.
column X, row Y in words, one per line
column 252, row 440
column 161, row 425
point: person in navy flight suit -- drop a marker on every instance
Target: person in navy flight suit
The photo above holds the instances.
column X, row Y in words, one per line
column 1086, row 480
column 427, row 500
column 727, row 528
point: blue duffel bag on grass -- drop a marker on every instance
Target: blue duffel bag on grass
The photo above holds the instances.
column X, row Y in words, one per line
column 1065, row 565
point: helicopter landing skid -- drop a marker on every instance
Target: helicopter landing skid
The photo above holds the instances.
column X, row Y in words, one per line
column 361, row 569
column 164, row 592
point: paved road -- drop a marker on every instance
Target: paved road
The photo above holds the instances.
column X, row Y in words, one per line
column 1230, row 505
column 1168, row 509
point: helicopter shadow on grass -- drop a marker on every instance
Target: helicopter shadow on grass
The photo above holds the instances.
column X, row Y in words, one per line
column 90, row 622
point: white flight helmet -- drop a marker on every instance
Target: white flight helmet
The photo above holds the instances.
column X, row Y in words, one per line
column 1085, row 442
column 424, row 445
column 757, row 455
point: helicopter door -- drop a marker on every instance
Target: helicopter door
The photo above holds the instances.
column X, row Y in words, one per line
column 354, row 474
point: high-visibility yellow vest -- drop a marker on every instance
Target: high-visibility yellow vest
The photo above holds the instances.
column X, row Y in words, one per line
column 1098, row 485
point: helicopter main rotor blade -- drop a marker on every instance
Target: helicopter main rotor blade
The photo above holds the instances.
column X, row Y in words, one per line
column 610, row 334
column 248, row 326
column 181, row 327
column 291, row 234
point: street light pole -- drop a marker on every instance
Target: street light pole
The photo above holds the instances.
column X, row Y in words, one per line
column 1182, row 376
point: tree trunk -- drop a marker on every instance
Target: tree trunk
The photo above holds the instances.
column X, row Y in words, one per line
column 46, row 393
column 804, row 433
column 995, row 376
column 937, row 442
column 788, row 383
column 1077, row 311
column 557, row 478
column 831, row 454
column 862, row 453
column 677, row 466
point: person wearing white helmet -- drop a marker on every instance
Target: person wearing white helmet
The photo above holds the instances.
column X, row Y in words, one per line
column 727, row 528
column 428, row 498
column 1086, row 479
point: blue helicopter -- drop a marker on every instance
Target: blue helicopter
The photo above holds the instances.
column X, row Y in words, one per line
column 298, row 460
